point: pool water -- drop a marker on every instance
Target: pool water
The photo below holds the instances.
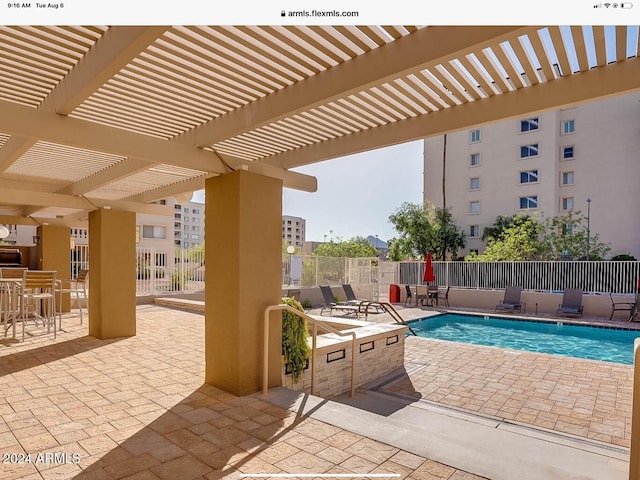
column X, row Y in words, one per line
column 609, row 345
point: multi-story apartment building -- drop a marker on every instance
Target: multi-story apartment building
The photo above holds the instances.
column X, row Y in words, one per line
column 293, row 230
column 548, row 163
column 188, row 224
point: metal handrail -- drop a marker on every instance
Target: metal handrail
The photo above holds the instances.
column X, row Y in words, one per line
column 314, row 334
column 387, row 307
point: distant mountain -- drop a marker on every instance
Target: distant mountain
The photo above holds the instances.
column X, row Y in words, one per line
column 377, row 242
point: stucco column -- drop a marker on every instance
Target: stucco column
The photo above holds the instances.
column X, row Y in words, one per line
column 54, row 253
column 112, row 274
column 243, row 253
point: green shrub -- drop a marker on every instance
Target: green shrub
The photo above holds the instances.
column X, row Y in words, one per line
column 295, row 347
column 623, row 257
column 306, row 304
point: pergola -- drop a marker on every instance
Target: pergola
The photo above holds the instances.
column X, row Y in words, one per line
column 97, row 122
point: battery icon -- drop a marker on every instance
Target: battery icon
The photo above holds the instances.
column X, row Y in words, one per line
column 626, row 5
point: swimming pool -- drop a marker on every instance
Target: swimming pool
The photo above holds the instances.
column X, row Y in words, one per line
column 606, row 344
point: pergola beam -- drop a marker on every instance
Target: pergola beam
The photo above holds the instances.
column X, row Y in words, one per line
column 607, row 81
column 44, row 200
column 13, row 149
column 114, row 50
column 177, row 188
column 24, row 121
column 424, row 48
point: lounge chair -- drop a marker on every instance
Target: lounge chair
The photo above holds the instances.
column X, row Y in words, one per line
column 352, row 300
column 631, row 306
column 331, row 305
column 511, row 300
column 571, row 305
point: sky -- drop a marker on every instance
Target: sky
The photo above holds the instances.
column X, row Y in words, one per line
column 357, row 193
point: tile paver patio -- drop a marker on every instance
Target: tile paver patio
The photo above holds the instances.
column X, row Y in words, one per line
column 136, row 408
column 586, row 398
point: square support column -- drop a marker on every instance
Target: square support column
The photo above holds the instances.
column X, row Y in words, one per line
column 243, row 253
column 54, row 253
column 112, row 277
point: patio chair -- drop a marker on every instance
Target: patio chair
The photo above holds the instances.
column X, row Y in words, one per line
column 631, row 306
column 331, row 305
column 511, row 300
column 444, row 296
column 571, row 305
column 352, row 300
column 78, row 288
column 38, row 298
column 409, row 295
column 12, row 272
column 422, row 294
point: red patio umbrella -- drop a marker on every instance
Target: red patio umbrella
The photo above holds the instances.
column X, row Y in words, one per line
column 428, row 276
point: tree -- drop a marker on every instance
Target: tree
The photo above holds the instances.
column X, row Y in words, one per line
column 502, row 222
column 565, row 237
column 354, row 247
column 511, row 239
column 424, row 228
column 524, row 238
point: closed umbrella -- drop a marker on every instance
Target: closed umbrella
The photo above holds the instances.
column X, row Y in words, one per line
column 428, row 276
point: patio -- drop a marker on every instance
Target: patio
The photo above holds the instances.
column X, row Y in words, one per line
column 137, row 408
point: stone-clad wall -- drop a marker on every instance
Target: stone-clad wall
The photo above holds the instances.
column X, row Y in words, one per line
column 377, row 353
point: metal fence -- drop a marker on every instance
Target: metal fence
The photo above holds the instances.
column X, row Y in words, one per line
column 164, row 271
column 591, row 277
column 161, row 271
column 79, row 259
column 309, row 270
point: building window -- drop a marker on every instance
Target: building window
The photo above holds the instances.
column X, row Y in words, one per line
column 185, row 219
column 529, row 124
column 474, row 207
column 567, row 203
column 150, row 231
column 568, row 126
column 530, row 176
column 195, row 220
column 529, row 151
column 474, row 183
column 567, row 153
column 529, row 202
column 475, row 136
column 196, row 211
column 195, row 227
column 186, row 227
column 195, row 237
column 474, row 160
column 568, row 229
column 185, row 210
column 474, row 231
column 567, row 178
column 186, row 244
